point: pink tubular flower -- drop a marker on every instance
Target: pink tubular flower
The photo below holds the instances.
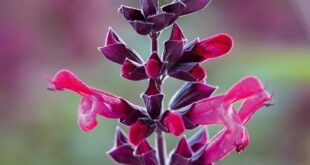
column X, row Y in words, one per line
column 94, row 102
column 220, row 110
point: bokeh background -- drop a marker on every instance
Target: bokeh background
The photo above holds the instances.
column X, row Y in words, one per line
column 39, row 37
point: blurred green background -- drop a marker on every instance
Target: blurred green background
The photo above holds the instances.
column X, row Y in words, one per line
column 39, row 37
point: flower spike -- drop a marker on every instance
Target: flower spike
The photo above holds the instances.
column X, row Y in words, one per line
column 192, row 106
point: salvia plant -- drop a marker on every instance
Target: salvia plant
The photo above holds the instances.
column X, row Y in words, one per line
column 191, row 107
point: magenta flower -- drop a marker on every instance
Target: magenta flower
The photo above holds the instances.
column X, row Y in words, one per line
column 95, row 102
column 191, row 106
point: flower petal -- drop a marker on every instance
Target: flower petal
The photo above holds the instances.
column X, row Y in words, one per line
column 189, row 93
column 87, row 113
column 244, row 88
column 65, row 79
column 174, row 123
column 252, row 104
column 214, row 46
column 221, row 145
column 198, row 72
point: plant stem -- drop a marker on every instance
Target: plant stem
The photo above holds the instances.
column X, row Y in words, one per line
column 154, row 38
column 161, row 146
column 160, row 142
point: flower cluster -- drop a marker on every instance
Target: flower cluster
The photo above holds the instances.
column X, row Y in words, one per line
column 193, row 105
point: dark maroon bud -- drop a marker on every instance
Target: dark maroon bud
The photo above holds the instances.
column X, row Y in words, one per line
column 213, row 47
column 153, row 100
column 189, row 93
column 174, row 46
column 154, row 66
column 141, row 27
column 146, row 154
column 133, row 71
column 194, row 5
column 123, row 154
column 160, row 21
column 182, row 154
column 117, row 51
column 209, row 48
column 198, row 140
column 187, row 72
column 131, row 14
column 149, row 7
